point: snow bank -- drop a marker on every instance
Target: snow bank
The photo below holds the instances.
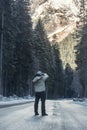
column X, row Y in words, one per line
column 14, row 100
column 82, row 101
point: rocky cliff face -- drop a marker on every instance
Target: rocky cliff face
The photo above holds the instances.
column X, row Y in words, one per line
column 59, row 18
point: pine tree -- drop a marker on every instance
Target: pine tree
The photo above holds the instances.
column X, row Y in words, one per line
column 2, row 8
column 5, row 41
column 23, row 48
column 58, row 84
column 48, row 61
column 68, row 81
column 17, row 48
column 82, row 48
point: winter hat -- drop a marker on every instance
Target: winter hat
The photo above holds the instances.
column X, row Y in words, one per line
column 39, row 72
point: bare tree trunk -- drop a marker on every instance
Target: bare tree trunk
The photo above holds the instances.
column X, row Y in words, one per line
column 1, row 54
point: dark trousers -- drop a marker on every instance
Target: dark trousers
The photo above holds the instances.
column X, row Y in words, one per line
column 42, row 96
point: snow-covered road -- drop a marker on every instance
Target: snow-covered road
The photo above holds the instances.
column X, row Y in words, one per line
column 63, row 115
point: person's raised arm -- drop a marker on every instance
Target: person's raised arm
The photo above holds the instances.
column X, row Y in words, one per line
column 37, row 78
column 45, row 76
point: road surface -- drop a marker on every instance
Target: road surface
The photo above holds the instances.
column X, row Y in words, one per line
column 62, row 115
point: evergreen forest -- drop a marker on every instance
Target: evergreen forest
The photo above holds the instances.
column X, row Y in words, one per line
column 24, row 51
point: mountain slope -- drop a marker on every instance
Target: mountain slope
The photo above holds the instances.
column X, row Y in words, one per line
column 59, row 16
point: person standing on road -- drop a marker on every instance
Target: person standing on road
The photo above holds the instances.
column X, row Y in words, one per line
column 40, row 92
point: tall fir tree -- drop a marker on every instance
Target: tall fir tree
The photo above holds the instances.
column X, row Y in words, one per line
column 23, row 48
column 17, row 48
column 81, row 53
column 48, row 61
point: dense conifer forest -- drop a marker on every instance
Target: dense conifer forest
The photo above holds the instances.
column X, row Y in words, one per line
column 24, row 51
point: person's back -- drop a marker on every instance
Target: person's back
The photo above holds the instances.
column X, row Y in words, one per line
column 39, row 82
column 39, row 86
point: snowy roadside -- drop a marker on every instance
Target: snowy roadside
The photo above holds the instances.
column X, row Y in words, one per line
column 82, row 101
column 14, row 100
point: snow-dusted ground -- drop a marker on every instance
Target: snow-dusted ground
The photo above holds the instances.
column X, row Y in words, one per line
column 14, row 100
column 81, row 101
column 62, row 115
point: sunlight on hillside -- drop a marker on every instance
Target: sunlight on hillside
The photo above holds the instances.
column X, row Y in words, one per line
column 65, row 3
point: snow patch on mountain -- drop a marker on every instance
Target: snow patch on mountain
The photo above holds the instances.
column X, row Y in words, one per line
column 65, row 4
column 57, row 16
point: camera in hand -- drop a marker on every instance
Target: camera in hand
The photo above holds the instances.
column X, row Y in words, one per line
column 42, row 74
